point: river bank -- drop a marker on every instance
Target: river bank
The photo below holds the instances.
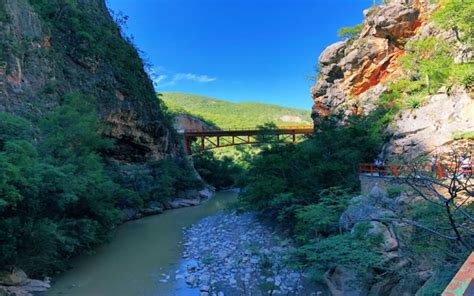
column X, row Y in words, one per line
column 230, row 254
column 141, row 259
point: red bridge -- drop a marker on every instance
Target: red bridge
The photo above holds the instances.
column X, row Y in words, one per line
column 211, row 139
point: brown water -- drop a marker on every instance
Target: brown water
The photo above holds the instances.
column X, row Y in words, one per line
column 141, row 256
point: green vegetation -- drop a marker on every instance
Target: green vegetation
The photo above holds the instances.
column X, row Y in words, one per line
column 234, row 115
column 223, row 167
column 350, row 32
column 463, row 135
column 306, row 187
column 56, row 198
column 220, row 171
column 457, row 15
column 88, row 39
column 429, row 62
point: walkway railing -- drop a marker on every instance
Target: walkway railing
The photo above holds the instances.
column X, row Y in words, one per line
column 463, row 282
column 440, row 170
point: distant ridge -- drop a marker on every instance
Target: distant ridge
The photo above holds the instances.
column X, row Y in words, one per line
column 226, row 114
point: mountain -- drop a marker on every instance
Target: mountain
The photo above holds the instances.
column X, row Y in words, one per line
column 49, row 49
column 234, row 115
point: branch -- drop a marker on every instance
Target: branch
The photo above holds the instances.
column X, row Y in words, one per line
column 416, row 224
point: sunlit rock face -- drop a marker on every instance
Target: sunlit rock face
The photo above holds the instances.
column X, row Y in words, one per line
column 39, row 66
column 185, row 122
column 354, row 73
column 352, row 67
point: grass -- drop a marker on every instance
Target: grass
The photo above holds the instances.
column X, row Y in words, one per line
column 463, row 135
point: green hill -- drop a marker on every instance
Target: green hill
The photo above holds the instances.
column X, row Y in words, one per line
column 229, row 115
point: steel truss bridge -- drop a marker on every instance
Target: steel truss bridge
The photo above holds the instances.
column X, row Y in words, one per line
column 219, row 138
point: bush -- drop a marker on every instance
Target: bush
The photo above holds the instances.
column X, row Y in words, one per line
column 220, row 172
column 348, row 250
column 56, row 200
column 463, row 135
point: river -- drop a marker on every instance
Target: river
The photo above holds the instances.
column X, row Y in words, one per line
column 139, row 259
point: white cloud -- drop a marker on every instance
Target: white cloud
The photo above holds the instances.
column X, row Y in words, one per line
column 192, row 77
column 163, row 78
column 158, row 78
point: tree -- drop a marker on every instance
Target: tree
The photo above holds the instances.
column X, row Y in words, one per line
column 448, row 191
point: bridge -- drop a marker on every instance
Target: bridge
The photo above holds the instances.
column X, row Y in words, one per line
column 219, row 138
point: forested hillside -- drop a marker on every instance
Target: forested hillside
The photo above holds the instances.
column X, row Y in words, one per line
column 83, row 139
column 233, row 115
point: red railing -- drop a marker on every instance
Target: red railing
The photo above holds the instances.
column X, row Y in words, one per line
column 250, row 129
column 440, row 170
column 463, row 282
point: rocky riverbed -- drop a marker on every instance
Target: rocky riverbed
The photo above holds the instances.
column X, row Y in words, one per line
column 231, row 254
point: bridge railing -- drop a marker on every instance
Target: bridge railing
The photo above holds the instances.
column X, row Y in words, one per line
column 278, row 128
column 439, row 170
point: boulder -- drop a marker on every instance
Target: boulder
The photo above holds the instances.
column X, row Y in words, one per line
column 361, row 209
column 181, row 203
column 130, row 214
column 343, row 282
column 389, row 242
column 206, row 193
column 151, row 211
column 394, row 21
column 13, row 277
column 333, row 53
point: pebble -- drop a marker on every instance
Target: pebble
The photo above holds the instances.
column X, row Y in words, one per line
column 226, row 247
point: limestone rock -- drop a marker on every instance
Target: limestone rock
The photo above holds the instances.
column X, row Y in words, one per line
column 332, row 54
column 443, row 115
column 394, row 21
column 343, row 282
column 350, row 68
column 362, row 209
column 13, row 277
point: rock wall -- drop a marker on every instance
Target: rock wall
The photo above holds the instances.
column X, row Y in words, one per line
column 39, row 64
column 187, row 122
column 355, row 72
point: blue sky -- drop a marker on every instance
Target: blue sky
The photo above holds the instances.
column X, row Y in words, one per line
column 238, row 50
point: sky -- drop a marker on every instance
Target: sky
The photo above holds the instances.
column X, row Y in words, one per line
column 237, row 50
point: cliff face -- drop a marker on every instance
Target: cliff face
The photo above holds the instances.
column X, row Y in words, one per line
column 355, row 72
column 51, row 48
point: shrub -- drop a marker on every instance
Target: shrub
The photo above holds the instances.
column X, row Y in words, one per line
column 415, row 102
column 350, row 251
column 350, row 32
column 463, row 135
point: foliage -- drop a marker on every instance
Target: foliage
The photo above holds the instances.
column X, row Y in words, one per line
column 330, row 159
column 460, row 135
column 233, row 115
column 221, row 172
column 428, row 60
column 350, row 32
column 415, row 101
column 345, row 250
column 464, row 75
column 457, row 15
column 90, row 39
column 56, row 200
column 321, row 218
column 4, row 16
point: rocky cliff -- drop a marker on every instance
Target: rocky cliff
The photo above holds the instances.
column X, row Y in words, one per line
column 356, row 72
column 52, row 48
